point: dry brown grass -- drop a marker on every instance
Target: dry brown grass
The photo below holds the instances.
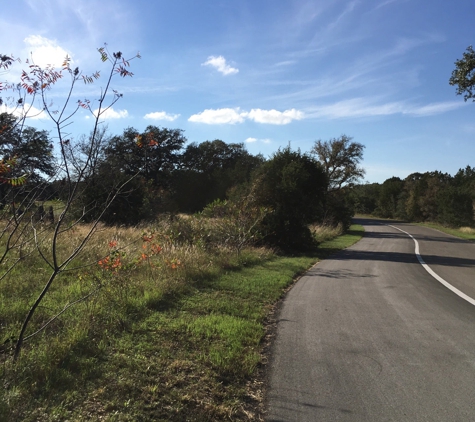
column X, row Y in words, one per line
column 323, row 233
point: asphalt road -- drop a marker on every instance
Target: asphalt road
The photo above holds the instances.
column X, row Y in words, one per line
column 370, row 335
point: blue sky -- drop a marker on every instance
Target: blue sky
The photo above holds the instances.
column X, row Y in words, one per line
column 270, row 72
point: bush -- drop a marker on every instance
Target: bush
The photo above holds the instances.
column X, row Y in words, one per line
column 137, row 201
column 292, row 186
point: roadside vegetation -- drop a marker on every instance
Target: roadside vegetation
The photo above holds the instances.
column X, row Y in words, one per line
column 174, row 332
column 137, row 270
column 467, row 233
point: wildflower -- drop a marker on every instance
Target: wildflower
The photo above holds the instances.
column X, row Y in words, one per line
column 156, row 249
column 147, row 238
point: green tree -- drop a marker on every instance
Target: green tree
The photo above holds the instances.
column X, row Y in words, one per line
column 153, row 154
column 292, row 185
column 389, row 195
column 364, row 198
column 32, row 148
column 210, row 171
column 32, row 152
column 463, row 76
column 454, row 207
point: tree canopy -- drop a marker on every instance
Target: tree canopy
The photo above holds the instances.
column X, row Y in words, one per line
column 31, row 148
column 340, row 158
column 292, row 185
column 464, row 75
column 153, row 154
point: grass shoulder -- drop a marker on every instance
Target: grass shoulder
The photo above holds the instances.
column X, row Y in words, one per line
column 467, row 233
column 192, row 353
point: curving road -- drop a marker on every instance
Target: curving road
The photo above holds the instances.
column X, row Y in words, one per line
column 370, row 335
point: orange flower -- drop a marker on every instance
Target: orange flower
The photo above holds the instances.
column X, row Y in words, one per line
column 104, row 263
column 117, row 263
column 112, row 243
column 156, row 249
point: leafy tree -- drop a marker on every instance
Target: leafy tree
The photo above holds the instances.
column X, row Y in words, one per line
column 465, row 180
column 153, row 154
column 32, row 148
column 19, row 229
column 454, row 207
column 364, row 198
column 212, row 155
column 31, row 151
column 389, row 195
column 340, row 158
column 463, row 76
column 292, row 185
column 209, row 171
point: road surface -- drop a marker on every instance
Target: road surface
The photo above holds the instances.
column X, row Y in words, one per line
column 370, row 335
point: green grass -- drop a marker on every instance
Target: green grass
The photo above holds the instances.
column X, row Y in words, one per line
column 186, row 347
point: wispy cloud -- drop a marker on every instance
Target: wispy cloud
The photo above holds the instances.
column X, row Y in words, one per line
column 161, row 115
column 235, row 115
column 436, row 108
column 348, row 9
column 219, row 63
column 110, row 113
column 384, row 3
column 254, row 140
column 362, row 107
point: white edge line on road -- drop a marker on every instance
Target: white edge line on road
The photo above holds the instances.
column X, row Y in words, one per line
column 433, row 273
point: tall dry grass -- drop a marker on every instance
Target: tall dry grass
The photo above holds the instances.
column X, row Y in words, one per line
column 323, row 232
column 468, row 230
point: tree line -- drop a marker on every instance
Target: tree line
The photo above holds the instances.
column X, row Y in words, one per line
column 431, row 196
column 156, row 171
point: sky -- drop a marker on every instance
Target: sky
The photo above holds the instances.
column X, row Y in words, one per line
column 268, row 73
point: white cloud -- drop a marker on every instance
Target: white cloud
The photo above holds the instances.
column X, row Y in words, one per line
column 110, row 113
column 234, row 115
column 274, row 117
column 161, row 115
column 45, row 52
column 28, row 111
column 219, row 63
column 219, row 116
column 252, row 140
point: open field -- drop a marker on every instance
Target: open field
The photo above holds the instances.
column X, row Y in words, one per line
column 164, row 327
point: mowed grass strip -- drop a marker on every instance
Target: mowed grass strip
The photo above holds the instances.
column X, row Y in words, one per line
column 467, row 233
column 190, row 356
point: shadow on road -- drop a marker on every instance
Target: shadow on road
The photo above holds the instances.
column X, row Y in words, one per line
column 410, row 258
column 378, row 235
